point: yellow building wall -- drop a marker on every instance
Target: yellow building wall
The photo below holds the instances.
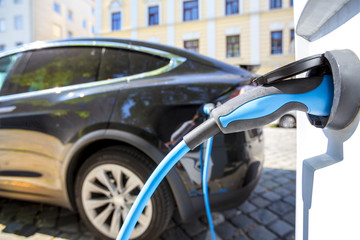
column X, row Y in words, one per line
column 267, row 19
column 199, row 28
column 240, row 22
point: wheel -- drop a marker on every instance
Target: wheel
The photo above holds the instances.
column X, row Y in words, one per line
column 287, row 121
column 106, row 187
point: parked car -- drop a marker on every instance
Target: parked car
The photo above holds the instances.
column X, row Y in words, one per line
column 288, row 120
column 83, row 123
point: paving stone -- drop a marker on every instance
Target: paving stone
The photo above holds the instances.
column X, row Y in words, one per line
column 231, row 213
column 282, row 180
column 217, row 218
column 261, row 233
column 282, row 191
column 291, row 200
column 206, row 236
column 194, row 228
column 12, row 227
column 260, row 202
column 247, row 207
column 259, row 189
column 243, row 222
column 27, row 230
column 175, row 234
column 290, row 186
column 281, row 228
column 263, row 216
column 290, row 236
column 241, row 237
column 281, row 208
column 226, row 230
column 269, row 184
column 291, row 175
column 290, row 218
column 271, row 196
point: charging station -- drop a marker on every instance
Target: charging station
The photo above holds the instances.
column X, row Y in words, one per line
column 328, row 196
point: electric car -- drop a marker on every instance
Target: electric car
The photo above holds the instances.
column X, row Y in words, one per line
column 83, row 123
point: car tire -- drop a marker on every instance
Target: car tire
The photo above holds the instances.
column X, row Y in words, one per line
column 103, row 200
column 287, row 121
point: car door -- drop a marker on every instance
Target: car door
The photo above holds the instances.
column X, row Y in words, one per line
column 46, row 103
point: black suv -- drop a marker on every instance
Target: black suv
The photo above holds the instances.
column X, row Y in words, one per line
column 83, row 122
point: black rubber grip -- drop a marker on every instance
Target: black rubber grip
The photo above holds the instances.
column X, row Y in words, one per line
column 201, row 133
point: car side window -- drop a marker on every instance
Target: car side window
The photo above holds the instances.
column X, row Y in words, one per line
column 117, row 63
column 143, row 62
column 56, row 67
column 114, row 64
column 6, row 64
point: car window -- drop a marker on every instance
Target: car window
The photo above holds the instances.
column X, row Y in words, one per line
column 142, row 62
column 5, row 65
column 56, row 67
column 114, row 64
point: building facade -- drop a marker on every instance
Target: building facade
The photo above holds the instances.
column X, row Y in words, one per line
column 240, row 32
column 24, row 21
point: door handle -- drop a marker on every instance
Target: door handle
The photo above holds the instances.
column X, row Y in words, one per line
column 7, row 109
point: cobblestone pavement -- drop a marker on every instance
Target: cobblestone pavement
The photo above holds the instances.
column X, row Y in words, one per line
column 268, row 214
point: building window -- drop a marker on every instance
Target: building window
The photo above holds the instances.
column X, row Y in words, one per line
column 69, row 34
column 275, row 4
column 2, row 25
column 17, row 1
column 276, row 42
column 57, row 30
column 231, row 7
column 2, row 47
column 70, row 15
column 233, row 46
column 291, row 3
column 84, row 24
column 92, row 29
column 191, row 10
column 93, row 11
column 192, row 45
column 2, row 3
column 18, row 44
column 116, row 21
column 154, row 15
column 18, row 22
column 57, row 8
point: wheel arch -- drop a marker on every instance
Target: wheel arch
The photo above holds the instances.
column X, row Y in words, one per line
column 100, row 139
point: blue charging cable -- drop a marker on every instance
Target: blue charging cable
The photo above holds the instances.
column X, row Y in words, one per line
column 205, row 172
column 205, row 185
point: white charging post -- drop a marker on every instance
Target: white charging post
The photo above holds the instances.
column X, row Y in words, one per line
column 328, row 161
